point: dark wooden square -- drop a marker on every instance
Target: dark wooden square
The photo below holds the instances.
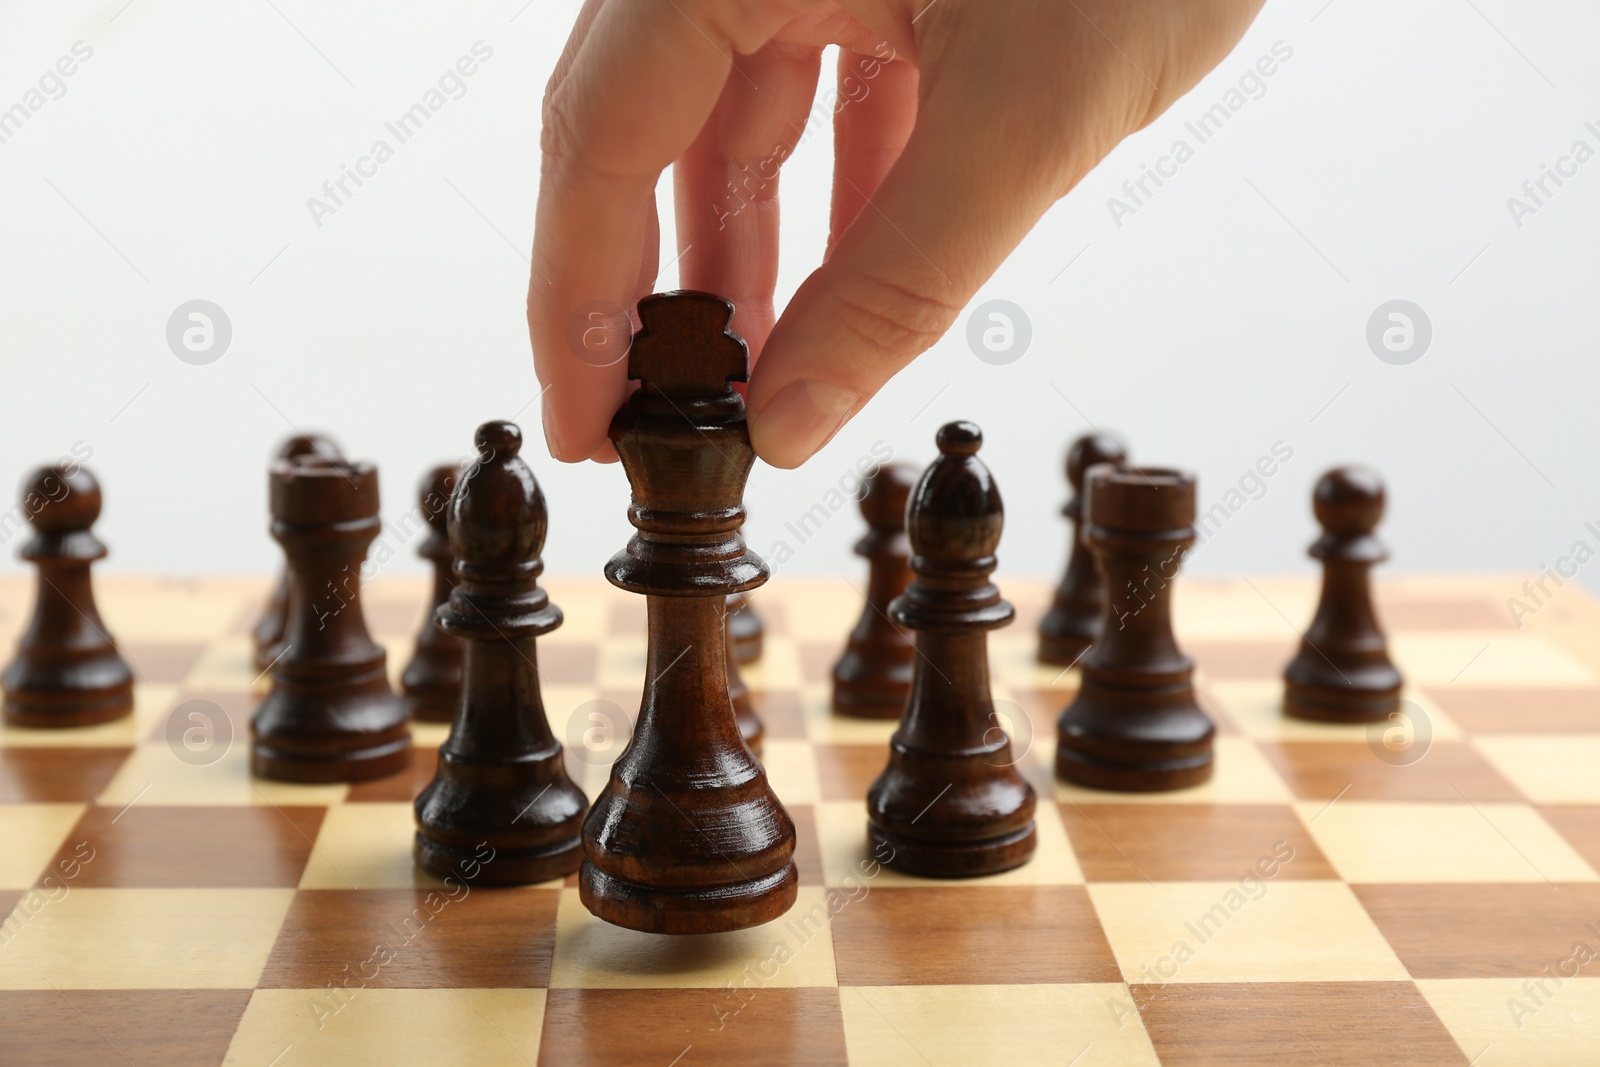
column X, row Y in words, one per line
column 416, row 939
column 117, row 1027
column 161, row 662
column 399, row 787
column 1274, row 1023
column 1448, row 771
column 57, row 775
column 1232, row 660
column 1191, row 842
column 848, row 771
column 1553, row 710
column 971, row 935
column 174, row 847
column 704, row 1027
column 1485, row 931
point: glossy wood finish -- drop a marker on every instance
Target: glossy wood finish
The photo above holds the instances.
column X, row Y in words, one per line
column 500, row 780
column 1073, row 621
column 687, row 836
column 267, row 636
column 951, row 802
column 331, row 716
column 1135, row 724
column 751, row 727
column 873, row 676
column 431, row 682
column 746, row 628
column 1342, row 672
column 67, row 670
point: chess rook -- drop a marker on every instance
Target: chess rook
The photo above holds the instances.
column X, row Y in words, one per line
column 951, row 803
column 746, row 627
column 873, row 675
column 331, row 716
column 1342, row 672
column 67, row 670
column 431, row 682
column 1073, row 621
column 500, row 780
column 687, row 836
column 1135, row 724
column 267, row 637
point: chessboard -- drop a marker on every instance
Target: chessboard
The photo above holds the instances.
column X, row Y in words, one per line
column 1422, row 891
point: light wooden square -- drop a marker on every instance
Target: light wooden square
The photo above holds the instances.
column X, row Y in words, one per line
column 931, row 1026
column 795, row 949
column 1548, row 768
column 1487, row 658
column 147, row 939
column 1487, row 1017
column 1256, row 708
column 1238, row 932
column 153, row 775
column 382, row 1027
column 32, row 833
column 1446, row 842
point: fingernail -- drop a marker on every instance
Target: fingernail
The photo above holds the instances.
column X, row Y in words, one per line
column 551, row 441
column 802, row 418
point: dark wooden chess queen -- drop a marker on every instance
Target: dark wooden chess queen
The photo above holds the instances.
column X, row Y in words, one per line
column 500, row 779
column 67, row 671
column 950, row 803
column 687, row 836
column 331, row 716
column 1135, row 724
column 1342, row 672
column 1073, row 621
column 268, row 633
column 873, row 676
column 431, row 682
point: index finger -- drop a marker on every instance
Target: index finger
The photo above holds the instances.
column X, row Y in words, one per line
column 639, row 88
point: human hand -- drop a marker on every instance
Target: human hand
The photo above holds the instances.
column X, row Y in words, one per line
column 957, row 125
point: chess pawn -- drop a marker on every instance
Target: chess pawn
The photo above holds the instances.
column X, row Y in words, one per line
column 687, row 836
column 67, row 671
column 950, row 803
column 744, row 709
column 500, row 780
column 331, row 716
column 1135, row 724
column 873, row 676
column 1342, row 672
column 1073, row 621
column 746, row 627
column 431, row 682
column 267, row 636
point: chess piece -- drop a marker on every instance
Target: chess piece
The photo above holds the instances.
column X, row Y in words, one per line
column 1135, row 724
column 950, row 803
column 873, row 676
column 268, row 633
column 431, row 682
column 1342, row 672
column 500, row 781
column 687, row 836
column 331, row 716
column 1073, row 621
column 744, row 708
column 67, row 671
column 746, row 626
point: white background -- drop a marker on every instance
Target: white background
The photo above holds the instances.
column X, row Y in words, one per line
column 1226, row 314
